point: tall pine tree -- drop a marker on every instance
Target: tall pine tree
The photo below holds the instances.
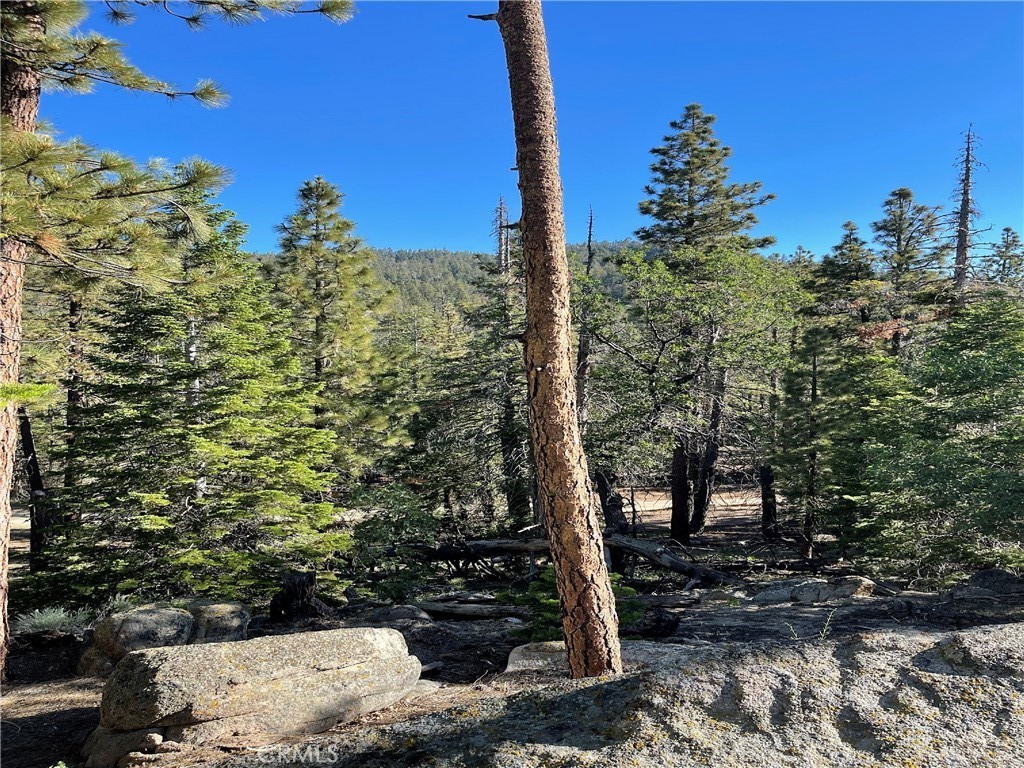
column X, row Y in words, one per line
column 691, row 199
column 326, row 282
column 196, row 446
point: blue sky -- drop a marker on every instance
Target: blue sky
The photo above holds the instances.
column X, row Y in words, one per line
column 406, row 108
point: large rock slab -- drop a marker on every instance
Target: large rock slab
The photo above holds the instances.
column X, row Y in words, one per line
column 249, row 693
column 552, row 656
column 882, row 699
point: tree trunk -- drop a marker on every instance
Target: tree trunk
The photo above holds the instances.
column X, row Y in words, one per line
column 516, row 481
column 613, row 510
column 709, row 461
column 588, row 605
column 810, row 515
column 769, row 505
column 963, row 218
column 681, row 494
column 40, row 520
column 72, row 418
column 19, row 103
column 583, row 364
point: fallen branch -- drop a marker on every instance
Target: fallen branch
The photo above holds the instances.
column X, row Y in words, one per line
column 474, row 610
column 655, row 553
column 663, row 556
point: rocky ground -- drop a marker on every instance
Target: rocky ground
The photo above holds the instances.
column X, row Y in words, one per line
column 48, row 714
column 794, row 670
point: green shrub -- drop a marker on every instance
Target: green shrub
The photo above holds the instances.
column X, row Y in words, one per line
column 382, row 560
column 51, row 619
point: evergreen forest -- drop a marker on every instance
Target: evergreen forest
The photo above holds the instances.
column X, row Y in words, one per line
column 186, row 418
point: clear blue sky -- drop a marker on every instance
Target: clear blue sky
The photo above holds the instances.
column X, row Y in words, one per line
column 406, row 108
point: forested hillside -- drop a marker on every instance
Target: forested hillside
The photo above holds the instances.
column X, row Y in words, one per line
column 186, row 418
column 263, row 486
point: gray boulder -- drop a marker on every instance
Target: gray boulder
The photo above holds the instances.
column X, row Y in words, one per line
column 249, row 693
column 158, row 626
column 997, row 581
column 813, row 590
column 148, row 626
column 879, row 699
column 217, row 621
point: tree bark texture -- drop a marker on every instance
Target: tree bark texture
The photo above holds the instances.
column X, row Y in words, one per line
column 709, row 461
column 588, row 604
column 613, row 510
column 76, row 364
column 19, row 103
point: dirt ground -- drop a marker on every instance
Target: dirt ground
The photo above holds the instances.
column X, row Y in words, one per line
column 46, row 722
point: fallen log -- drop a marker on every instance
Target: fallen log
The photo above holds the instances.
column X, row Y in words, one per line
column 666, row 558
column 656, row 553
column 474, row 610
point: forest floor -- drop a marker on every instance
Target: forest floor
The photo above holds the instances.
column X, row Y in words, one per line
column 48, row 712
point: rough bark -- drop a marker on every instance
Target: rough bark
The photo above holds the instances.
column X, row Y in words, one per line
column 709, row 461
column 681, row 494
column 19, row 103
column 769, row 503
column 612, row 503
column 588, row 605
column 40, row 520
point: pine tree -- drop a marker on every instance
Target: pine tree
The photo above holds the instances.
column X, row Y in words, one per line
column 692, row 201
column 42, row 48
column 588, row 604
column 196, row 442
column 912, row 251
column 846, row 282
column 327, row 283
column 1004, row 266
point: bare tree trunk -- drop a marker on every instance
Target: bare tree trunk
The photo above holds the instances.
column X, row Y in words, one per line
column 516, row 483
column 681, row 494
column 810, row 510
column 769, row 503
column 72, row 418
column 516, row 480
column 583, row 364
column 40, row 519
column 19, row 103
column 964, row 216
column 613, row 510
column 588, row 604
column 709, row 461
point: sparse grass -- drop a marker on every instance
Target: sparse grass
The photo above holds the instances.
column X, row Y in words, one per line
column 55, row 619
